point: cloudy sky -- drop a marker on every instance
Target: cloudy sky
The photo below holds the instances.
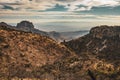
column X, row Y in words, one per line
column 61, row 15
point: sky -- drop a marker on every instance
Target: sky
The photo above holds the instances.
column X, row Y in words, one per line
column 61, row 15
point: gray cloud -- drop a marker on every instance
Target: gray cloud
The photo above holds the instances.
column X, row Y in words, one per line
column 71, row 5
column 11, row 4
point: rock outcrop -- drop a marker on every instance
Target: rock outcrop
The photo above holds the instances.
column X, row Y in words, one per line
column 105, row 32
column 25, row 26
column 3, row 25
column 29, row 27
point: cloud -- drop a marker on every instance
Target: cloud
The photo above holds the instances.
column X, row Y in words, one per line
column 43, row 5
column 88, row 4
column 45, row 17
column 103, row 10
column 27, row 4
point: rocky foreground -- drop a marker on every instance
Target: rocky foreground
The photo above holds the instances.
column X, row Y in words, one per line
column 95, row 56
column 21, row 53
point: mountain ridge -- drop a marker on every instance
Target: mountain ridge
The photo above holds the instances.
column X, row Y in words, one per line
column 58, row 36
column 102, row 49
column 21, row 53
column 94, row 56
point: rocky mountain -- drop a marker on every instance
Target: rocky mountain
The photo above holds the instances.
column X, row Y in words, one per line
column 29, row 27
column 101, row 47
column 58, row 36
column 6, row 25
column 100, row 40
column 25, row 25
column 94, row 61
column 25, row 55
column 22, row 53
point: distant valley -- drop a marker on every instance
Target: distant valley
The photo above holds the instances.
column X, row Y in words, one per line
column 58, row 36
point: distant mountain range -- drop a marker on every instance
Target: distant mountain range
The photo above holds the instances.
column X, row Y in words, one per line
column 67, row 36
column 58, row 36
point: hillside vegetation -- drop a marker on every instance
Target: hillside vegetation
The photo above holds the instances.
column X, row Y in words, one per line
column 30, row 56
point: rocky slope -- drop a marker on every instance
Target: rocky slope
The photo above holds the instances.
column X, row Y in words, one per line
column 27, row 56
column 103, row 40
column 101, row 48
column 21, row 53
